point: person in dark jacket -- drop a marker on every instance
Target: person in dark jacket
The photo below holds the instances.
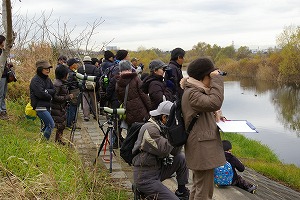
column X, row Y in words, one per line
column 237, row 164
column 89, row 95
column 138, row 103
column 3, row 84
column 157, row 159
column 155, row 86
column 59, row 102
column 73, row 86
column 41, row 94
column 108, row 61
column 175, row 73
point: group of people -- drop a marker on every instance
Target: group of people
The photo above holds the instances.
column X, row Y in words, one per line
column 146, row 98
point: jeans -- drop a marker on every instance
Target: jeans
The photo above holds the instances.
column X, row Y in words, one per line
column 48, row 122
column 71, row 114
column 3, row 91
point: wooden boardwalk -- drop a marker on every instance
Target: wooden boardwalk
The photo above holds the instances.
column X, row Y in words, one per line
column 88, row 139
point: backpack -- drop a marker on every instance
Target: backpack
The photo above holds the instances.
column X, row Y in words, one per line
column 128, row 143
column 107, row 75
column 176, row 131
column 223, row 175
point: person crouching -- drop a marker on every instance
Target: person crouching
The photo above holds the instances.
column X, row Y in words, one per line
column 157, row 159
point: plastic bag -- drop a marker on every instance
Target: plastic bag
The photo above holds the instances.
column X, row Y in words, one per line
column 29, row 112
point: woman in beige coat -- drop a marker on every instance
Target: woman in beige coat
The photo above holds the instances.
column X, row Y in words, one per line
column 203, row 94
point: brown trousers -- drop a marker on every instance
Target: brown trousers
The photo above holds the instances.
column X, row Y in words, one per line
column 203, row 185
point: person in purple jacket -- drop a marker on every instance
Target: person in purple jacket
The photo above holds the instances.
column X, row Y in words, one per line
column 237, row 164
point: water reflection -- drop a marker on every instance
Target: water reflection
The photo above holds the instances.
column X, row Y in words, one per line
column 284, row 97
column 286, row 100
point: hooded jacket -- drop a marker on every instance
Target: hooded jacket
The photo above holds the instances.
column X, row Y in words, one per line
column 59, row 102
column 41, row 91
column 203, row 148
column 156, row 88
column 138, row 103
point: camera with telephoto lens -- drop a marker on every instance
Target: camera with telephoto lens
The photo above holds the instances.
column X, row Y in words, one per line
column 222, row 73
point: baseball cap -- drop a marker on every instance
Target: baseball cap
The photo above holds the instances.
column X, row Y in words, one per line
column 71, row 61
column 162, row 109
column 134, row 59
column 157, row 64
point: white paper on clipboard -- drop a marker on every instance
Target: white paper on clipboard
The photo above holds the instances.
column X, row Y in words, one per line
column 237, row 126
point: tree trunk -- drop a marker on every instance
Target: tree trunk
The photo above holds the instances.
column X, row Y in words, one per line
column 10, row 36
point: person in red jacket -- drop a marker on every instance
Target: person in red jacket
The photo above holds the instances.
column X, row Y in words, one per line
column 237, row 164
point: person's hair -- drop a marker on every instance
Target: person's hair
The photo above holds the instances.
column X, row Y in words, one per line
column 61, row 72
column 2, row 39
column 39, row 70
column 226, row 145
column 177, row 53
column 94, row 60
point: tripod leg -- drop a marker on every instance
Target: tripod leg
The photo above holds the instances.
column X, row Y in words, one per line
column 102, row 144
column 111, row 149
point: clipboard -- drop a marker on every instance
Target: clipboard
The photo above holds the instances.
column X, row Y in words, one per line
column 236, row 126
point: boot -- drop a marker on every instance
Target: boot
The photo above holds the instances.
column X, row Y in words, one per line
column 3, row 115
column 58, row 138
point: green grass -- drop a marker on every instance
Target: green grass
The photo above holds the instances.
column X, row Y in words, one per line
column 31, row 168
column 260, row 158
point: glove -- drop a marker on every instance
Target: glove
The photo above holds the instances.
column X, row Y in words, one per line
column 170, row 84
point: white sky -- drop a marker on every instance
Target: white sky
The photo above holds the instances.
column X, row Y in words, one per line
column 167, row 24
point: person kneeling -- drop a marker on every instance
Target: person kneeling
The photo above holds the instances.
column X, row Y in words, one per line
column 157, row 159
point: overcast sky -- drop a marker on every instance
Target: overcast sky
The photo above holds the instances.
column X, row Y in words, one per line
column 166, row 24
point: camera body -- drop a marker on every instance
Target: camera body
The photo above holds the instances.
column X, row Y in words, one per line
column 222, row 73
column 167, row 161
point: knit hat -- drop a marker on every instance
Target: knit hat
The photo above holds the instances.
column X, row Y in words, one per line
column 121, row 54
column 124, row 65
column 162, row 109
column 87, row 59
column 108, row 54
column 226, row 145
column 156, row 64
column 72, row 61
column 200, row 67
column 43, row 64
column 177, row 52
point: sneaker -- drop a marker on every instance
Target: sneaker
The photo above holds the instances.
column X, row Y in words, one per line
column 252, row 189
column 69, row 128
column 86, row 119
column 183, row 195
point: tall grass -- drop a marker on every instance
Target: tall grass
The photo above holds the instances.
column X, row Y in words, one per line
column 34, row 169
column 260, row 158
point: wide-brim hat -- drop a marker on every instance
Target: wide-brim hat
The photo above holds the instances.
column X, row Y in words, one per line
column 43, row 64
column 87, row 59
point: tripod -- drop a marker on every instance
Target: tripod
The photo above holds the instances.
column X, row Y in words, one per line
column 74, row 122
column 108, row 135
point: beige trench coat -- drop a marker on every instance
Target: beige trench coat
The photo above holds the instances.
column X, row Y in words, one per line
column 203, row 149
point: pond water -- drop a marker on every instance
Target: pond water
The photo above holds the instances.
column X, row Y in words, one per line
column 272, row 108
